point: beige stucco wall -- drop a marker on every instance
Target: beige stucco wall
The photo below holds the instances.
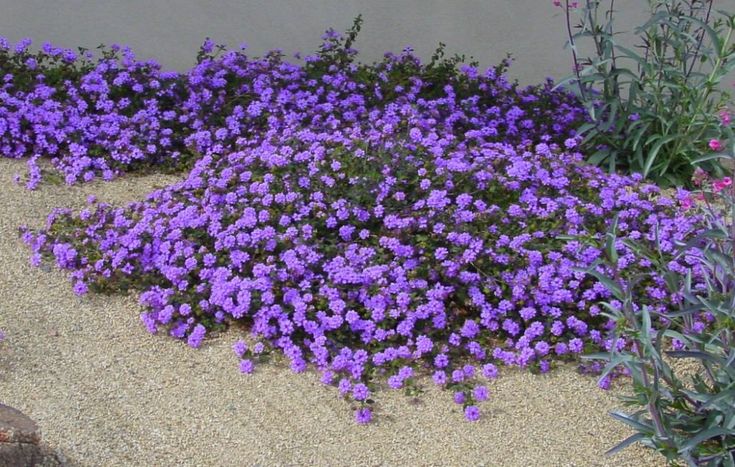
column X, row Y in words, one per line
column 172, row 30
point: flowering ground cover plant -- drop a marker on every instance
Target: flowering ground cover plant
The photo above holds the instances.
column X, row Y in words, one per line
column 90, row 118
column 117, row 114
column 374, row 222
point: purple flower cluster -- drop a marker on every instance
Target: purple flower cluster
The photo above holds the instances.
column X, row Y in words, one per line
column 373, row 238
column 101, row 118
column 90, row 119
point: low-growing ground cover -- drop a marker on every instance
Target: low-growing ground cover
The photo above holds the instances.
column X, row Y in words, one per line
column 116, row 114
column 371, row 221
column 105, row 391
column 375, row 222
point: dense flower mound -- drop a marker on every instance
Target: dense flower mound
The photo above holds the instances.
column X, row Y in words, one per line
column 117, row 114
column 373, row 222
column 90, row 119
column 370, row 257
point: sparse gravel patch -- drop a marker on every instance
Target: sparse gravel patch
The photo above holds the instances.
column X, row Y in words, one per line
column 105, row 392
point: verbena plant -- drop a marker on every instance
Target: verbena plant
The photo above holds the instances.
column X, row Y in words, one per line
column 374, row 222
column 689, row 418
column 652, row 108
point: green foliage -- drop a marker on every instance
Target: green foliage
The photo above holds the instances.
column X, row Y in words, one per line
column 652, row 110
column 337, row 52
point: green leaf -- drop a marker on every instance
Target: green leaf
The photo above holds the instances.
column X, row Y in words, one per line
column 625, row 443
column 727, row 394
column 597, row 356
column 653, row 153
column 585, row 128
column 633, row 55
column 698, row 355
column 598, row 157
column 703, row 436
column 638, row 134
column 610, row 238
column 714, row 37
column 654, row 20
column 710, row 157
column 607, row 282
column 614, row 362
column 628, row 420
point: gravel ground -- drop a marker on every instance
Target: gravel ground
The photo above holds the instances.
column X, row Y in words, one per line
column 105, row 392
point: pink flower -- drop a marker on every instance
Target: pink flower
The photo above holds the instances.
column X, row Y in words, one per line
column 715, row 145
column 725, row 118
column 719, row 185
column 699, row 176
column 686, row 203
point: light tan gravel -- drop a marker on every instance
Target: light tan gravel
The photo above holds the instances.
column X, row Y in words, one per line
column 105, row 392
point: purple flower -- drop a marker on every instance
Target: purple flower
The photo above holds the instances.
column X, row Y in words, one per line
column 208, row 45
column 472, row 413
column 395, row 382
column 327, row 377
column 424, row 344
column 239, row 348
column 80, row 288
column 459, row 397
column 363, row 416
column 246, row 366
column 439, row 377
column 344, row 386
column 360, row 392
column 450, row 243
column 197, row 335
column 458, row 376
column 604, row 383
column 480, row 393
column 489, row 371
column 149, row 322
column 441, row 361
column 405, row 372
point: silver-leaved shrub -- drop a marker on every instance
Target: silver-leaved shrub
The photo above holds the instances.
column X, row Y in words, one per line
column 682, row 363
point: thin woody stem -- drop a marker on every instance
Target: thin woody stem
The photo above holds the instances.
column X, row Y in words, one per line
column 573, row 45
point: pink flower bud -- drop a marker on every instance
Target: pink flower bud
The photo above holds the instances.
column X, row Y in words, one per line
column 715, row 145
column 725, row 118
column 699, row 176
